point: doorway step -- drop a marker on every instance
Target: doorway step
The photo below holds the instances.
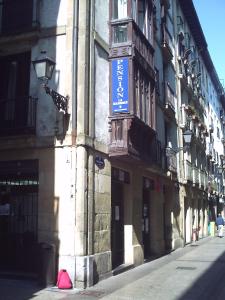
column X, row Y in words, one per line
column 122, row 268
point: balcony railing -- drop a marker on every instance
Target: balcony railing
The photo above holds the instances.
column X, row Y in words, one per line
column 166, row 44
column 209, row 149
column 169, row 100
column 203, row 179
column 193, row 174
column 133, row 140
column 18, row 116
column 171, row 159
column 18, row 16
column 212, row 184
column 211, row 127
column 183, row 116
column 195, row 171
column 188, row 171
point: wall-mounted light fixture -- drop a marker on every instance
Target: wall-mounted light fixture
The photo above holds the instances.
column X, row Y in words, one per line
column 187, row 135
column 44, row 67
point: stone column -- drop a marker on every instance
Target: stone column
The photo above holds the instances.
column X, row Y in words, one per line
column 84, row 263
column 136, row 213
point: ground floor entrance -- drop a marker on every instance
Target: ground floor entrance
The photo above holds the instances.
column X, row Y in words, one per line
column 18, row 216
column 146, row 222
column 117, row 224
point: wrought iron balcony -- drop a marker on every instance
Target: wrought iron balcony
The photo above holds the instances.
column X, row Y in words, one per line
column 203, row 180
column 209, row 149
column 188, row 171
column 166, row 44
column 195, row 171
column 133, row 140
column 18, row 116
column 199, row 178
column 18, row 16
column 169, row 101
column 212, row 185
column 211, row 127
column 171, row 160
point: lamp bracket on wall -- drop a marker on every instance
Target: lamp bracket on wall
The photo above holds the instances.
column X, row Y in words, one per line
column 170, row 151
column 44, row 67
column 60, row 101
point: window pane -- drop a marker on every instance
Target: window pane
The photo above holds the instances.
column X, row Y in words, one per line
column 141, row 14
column 120, row 34
column 119, row 9
column 149, row 28
column 134, row 9
column 12, row 80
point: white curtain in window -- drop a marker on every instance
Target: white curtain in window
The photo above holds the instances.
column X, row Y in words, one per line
column 122, row 9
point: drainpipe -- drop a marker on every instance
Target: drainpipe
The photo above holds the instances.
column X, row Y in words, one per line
column 83, row 265
column 180, row 134
column 74, row 70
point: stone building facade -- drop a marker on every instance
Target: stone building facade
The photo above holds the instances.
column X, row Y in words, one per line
column 110, row 184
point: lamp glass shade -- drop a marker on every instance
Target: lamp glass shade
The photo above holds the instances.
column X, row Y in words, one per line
column 50, row 65
column 187, row 136
column 44, row 68
column 40, row 68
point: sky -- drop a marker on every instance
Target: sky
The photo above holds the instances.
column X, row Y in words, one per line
column 211, row 14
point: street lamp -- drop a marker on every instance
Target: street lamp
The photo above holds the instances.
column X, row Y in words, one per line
column 187, row 135
column 44, row 67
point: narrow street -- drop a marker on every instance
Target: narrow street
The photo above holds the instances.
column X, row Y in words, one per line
column 194, row 272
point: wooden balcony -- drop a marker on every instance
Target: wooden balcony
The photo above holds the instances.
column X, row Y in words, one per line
column 166, row 45
column 18, row 116
column 128, row 40
column 133, row 140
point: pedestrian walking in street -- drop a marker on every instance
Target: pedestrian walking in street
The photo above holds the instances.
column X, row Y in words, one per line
column 220, row 224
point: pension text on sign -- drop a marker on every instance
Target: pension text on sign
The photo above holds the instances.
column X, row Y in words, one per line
column 120, row 100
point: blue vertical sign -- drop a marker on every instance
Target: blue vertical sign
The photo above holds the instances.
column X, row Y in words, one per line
column 120, row 95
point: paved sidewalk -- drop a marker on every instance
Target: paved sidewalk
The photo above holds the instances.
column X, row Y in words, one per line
column 194, row 272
